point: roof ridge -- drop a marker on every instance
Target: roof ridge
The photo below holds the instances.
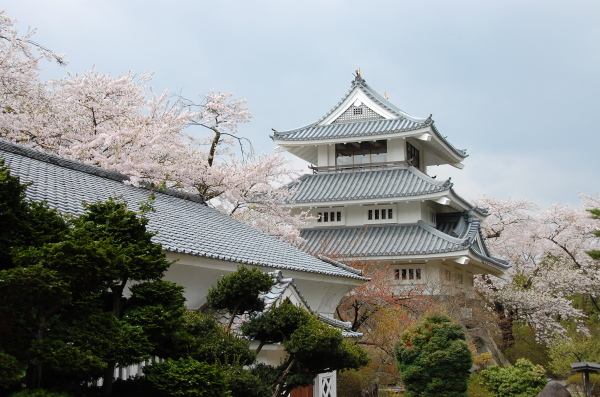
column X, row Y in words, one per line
column 339, row 264
column 75, row 165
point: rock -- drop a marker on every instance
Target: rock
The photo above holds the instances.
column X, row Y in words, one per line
column 554, row 389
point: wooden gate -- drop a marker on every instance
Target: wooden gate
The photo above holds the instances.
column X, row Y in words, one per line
column 302, row 392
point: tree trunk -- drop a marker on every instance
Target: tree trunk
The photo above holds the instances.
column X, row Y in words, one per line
column 108, row 380
column 279, row 392
column 109, row 372
column 34, row 369
column 505, row 324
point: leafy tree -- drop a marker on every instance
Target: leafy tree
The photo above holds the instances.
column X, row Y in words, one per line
column 239, row 292
column 115, row 122
column 434, row 358
column 210, row 342
column 64, row 313
column 312, row 347
column 547, row 250
column 524, row 379
column 187, row 377
column 577, row 347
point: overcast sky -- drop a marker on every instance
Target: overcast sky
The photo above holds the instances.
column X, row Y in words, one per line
column 516, row 83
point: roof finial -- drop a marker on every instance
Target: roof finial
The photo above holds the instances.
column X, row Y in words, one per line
column 385, row 95
column 358, row 78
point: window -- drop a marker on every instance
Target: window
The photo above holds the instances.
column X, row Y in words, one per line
column 357, row 111
column 447, row 275
column 459, row 278
column 356, row 153
column 335, row 216
column 380, row 214
column 412, row 155
column 411, row 273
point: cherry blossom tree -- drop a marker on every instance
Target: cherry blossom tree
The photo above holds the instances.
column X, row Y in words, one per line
column 547, row 250
column 117, row 123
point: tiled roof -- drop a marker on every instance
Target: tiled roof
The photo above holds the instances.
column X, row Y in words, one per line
column 400, row 123
column 349, row 130
column 184, row 223
column 280, row 285
column 396, row 240
column 383, row 183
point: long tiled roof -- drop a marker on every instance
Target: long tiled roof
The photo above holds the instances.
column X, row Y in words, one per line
column 183, row 222
column 349, row 130
column 397, row 240
column 400, row 123
column 374, row 184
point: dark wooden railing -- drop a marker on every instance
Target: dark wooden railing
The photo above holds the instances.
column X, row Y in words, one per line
column 359, row 167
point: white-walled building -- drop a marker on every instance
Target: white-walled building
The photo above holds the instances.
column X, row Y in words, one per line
column 374, row 201
column 205, row 243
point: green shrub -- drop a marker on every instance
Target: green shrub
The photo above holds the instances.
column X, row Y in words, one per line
column 187, row 377
column 476, row 388
column 524, row 379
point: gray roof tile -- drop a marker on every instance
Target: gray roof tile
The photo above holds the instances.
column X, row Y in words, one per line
column 401, row 123
column 184, row 224
column 395, row 240
column 374, row 184
column 349, row 130
column 280, row 285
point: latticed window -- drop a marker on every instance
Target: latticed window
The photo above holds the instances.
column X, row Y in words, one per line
column 329, row 216
column 408, row 274
column 358, row 113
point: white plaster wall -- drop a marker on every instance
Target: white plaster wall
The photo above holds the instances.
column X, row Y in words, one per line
column 396, row 149
column 354, row 216
column 322, row 155
column 331, row 150
column 409, row 212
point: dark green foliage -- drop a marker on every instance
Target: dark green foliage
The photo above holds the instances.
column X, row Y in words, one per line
column 11, row 371
column 158, row 308
column 434, row 358
column 39, row 393
column 243, row 383
column 63, row 312
column 239, row 291
column 212, row 344
column 276, row 325
column 136, row 386
column 524, row 379
column 187, row 377
column 23, row 223
column 312, row 347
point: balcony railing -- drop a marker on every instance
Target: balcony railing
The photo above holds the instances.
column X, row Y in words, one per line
column 359, row 167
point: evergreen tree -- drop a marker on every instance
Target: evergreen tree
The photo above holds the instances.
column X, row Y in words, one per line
column 434, row 358
column 312, row 347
